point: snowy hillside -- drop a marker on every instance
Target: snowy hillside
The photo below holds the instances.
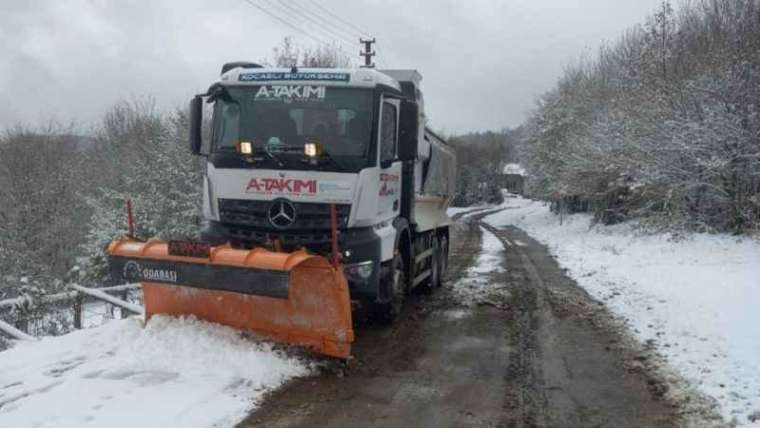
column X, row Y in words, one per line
column 697, row 300
column 173, row 372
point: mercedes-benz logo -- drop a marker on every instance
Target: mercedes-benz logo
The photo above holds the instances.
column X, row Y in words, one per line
column 281, row 213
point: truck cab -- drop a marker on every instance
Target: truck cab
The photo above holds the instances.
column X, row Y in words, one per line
column 287, row 144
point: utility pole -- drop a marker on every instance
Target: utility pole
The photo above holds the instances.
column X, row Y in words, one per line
column 368, row 52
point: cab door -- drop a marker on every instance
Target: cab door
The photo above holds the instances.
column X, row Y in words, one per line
column 389, row 189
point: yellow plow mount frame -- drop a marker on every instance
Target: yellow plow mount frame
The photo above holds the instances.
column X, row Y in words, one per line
column 295, row 298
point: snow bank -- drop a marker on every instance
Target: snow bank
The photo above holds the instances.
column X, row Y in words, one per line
column 173, row 372
column 697, row 300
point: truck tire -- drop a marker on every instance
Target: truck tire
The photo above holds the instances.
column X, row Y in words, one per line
column 395, row 278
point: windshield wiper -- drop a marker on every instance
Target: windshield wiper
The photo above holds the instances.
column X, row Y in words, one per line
column 257, row 156
column 322, row 156
column 272, row 153
column 326, row 156
column 274, row 157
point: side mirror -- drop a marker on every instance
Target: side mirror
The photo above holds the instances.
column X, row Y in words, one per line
column 196, row 123
column 408, row 130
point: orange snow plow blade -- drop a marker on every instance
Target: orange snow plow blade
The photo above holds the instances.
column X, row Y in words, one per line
column 295, row 298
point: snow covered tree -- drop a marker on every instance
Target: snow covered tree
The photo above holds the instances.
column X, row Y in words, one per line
column 480, row 157
column 662, row 125
column 40, row 210
column 161, row 177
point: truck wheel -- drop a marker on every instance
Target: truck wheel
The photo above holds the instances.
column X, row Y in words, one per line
column 395, row 279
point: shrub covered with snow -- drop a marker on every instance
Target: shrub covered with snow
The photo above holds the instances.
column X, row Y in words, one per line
column 151, row 165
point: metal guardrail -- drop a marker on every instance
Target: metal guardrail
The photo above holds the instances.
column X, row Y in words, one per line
column 101, row 295
column 14, row 332
column 66, row 295
column 77, row 296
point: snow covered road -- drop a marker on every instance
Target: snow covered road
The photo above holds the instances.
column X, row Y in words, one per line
column 696, row 300
column 173, row 372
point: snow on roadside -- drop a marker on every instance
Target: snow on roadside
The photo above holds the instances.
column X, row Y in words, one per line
column 172, row 372
column 476, row 285
column 697, row 300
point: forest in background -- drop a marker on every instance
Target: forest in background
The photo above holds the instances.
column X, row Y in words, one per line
column 480, row 160
column 62, row 196
column 662, row 126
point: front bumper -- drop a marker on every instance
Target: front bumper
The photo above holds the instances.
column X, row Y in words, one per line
column 356, row 245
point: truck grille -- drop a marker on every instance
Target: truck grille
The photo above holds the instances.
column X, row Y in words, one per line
column 309, row 216
column 246, row 224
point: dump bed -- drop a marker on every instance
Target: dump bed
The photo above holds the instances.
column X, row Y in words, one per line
column 439, row 169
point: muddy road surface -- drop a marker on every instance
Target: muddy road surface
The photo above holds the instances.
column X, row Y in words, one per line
column 513, row 343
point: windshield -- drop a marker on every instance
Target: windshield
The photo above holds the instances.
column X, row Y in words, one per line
column 283, row 118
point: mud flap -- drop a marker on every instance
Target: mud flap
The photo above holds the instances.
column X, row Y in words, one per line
column 295, row 298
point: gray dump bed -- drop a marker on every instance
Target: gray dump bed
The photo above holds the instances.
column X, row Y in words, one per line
column 440, row 168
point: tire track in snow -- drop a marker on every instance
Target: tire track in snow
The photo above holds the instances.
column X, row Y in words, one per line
column 561, row 371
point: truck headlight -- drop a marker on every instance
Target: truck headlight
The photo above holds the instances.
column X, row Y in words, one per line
column 359, row 271
column 245, row 148
column 313, row 150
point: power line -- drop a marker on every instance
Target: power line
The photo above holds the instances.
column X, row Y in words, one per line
column 327, row 29
column 285, row 11
column 272, row 12
column 361, row 32
column 331, row 20
column 250, row 2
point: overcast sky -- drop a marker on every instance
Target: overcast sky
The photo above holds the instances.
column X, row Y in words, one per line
column 483, row 62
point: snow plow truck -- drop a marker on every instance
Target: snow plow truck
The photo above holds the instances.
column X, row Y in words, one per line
column 324, row 192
